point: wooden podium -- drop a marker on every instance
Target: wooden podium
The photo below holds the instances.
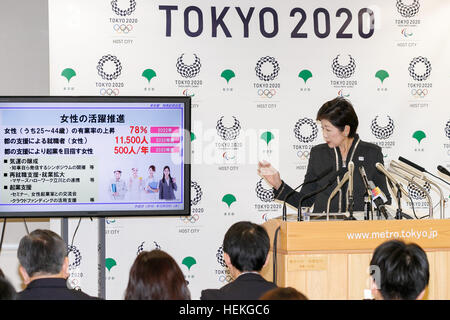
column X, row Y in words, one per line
column 330, row 259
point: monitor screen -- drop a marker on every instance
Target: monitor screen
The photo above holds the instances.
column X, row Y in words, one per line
column 94, row 156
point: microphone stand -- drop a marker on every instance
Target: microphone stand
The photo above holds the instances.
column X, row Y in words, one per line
column 399, row 213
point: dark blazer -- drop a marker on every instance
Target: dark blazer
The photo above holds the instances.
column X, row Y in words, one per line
column 51, row 289
column 248, row 286
column 166, row 191
column 323, row 157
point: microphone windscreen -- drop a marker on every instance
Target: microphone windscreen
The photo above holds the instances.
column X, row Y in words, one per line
column 443, row 170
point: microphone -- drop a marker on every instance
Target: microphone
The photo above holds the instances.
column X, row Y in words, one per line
column 309, row 195
column 362, row 173
column 443, row 170
column 412, row 164
column 381, row 168
column 416, row 166
column 379, row 199
column 336, row 189
column 320, row 176
column 351, row 169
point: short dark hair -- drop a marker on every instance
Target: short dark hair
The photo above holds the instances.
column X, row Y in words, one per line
column 7, row 291
column 42, row 251
column 340, row 113
column 152, row 167
column 287, row 293
column 155, row 275
column 247, row 244
column 403, row 270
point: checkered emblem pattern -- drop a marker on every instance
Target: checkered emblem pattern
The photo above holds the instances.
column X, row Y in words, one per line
column 155, row 246
column 188, row 71
column 416, row 193
column 121, row 12
column 263, row 194
column 447, row 129
column 77, row 257
column 408, row 11
column 298, row 130
column 109, row 76
column 229, row 133
column 412, row 66
column 219, row 257
column 341, row 71
column 275, row 70
column 382, row 133
column 198, row 193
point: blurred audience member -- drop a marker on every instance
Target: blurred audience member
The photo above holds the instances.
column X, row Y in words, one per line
column 399, row 271
column 44, row 268
column 155, row 275
column 288, row 293
column 246, row 247
column 7, row 291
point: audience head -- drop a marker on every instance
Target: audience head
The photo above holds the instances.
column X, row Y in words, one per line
column 399, row 271
column 7, row 291
column 246, row 246
column 42, row 253
column 155, row 275
column 288, row 293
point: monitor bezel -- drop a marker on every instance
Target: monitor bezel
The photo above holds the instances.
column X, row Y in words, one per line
column 186, row 211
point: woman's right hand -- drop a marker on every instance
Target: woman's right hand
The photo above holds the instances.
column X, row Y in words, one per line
column 269, row 173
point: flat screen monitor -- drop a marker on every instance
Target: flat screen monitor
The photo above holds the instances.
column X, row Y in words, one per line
column 95, row 156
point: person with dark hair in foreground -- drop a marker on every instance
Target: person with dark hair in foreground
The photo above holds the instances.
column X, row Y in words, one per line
column 155, row 275
column 288, row 293
column 399, row 271
column 7, row 291
column 339, row 124
column 246, row 247
column 44, row 268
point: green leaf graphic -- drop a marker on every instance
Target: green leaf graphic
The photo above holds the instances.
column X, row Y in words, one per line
column 193, row 137
column 305, row 75
column 149, row 74
column 419, row 135
column 267, row 137
column 189, row 262
column 229, row 199
column 68, row 73
column 227, row 74
column 109, row 263
column 382, row 74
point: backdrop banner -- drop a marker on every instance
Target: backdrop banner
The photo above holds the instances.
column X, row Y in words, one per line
column 257, row 73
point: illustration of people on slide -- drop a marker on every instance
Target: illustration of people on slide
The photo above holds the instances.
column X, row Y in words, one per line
column 151, row 184
column 135, row 185
column 117, row 187
column 167, row 185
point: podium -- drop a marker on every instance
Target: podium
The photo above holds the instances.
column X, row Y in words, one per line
column 330, row 259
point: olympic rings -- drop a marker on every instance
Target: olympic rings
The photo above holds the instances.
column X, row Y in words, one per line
column 303, row 155
column 419, row 92
column 267, row 93
column 192, row 219
column 122, row 28
column 225, row 278
column 109, row 92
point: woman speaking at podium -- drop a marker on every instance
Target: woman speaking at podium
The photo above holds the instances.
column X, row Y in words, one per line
column 342, row 145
